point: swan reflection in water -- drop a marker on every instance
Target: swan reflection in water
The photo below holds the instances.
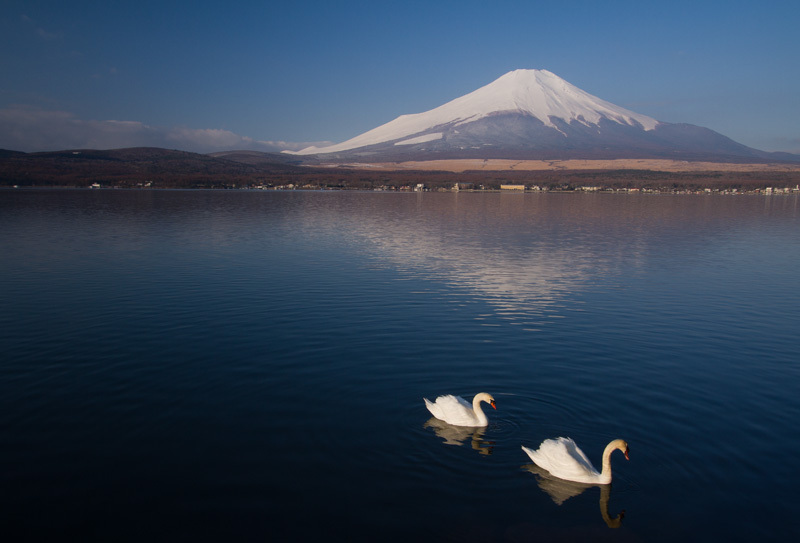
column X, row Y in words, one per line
column 560, row 491
column 456, row 435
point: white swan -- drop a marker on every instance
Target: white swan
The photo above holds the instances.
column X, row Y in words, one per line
column 563, row 459
column 456, row 411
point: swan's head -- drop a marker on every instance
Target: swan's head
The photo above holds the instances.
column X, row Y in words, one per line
column 484, row 397
column 622, row 445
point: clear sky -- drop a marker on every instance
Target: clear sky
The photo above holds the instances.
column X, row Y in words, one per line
column 204, row 76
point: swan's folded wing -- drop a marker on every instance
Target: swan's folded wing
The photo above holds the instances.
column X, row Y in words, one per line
column 454, row 401
column 577, row 454
column 450, row 402
column 453, row 410
column 562, row 458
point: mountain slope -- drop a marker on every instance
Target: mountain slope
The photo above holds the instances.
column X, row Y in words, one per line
column 534, row 114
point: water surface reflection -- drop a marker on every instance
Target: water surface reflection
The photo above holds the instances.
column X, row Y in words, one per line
column 154, row 343
column 525, row 253
column 457, row 435
column 560, row 491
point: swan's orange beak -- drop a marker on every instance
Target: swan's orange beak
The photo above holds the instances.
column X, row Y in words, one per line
column 493, row 405
column 626, row 454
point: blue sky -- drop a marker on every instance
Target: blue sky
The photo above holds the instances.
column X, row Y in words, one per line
column 211, row 75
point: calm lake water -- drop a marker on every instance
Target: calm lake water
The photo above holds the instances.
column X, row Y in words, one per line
column 250, row 366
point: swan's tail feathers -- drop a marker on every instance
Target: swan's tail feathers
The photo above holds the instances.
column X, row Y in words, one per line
column 529, row 452
column 431, row 407
column 538, row 457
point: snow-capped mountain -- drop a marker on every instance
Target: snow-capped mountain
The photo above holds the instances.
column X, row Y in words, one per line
column 533, row 114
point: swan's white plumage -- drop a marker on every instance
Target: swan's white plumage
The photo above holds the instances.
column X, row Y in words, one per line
column 565, row 460
column 457, row 411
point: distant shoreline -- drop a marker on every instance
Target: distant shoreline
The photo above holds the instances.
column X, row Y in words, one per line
column 143, row 168
column 769, row 191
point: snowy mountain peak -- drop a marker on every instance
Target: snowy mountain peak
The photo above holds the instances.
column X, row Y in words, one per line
column 535, row 93
column 543, row 94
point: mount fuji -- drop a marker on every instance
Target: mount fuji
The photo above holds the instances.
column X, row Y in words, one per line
column 536, row 115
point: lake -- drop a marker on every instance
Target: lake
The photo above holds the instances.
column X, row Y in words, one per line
column 251, row 365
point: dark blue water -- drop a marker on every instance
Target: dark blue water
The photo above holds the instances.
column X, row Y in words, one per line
column 250, row 366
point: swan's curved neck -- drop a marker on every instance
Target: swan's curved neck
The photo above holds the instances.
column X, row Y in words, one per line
column 476, row 406
column 605, row 474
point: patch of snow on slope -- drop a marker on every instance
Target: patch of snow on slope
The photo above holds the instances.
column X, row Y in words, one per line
column 421, row 139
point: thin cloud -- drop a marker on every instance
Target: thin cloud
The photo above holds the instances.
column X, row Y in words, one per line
column 30, row 129
column 41, row 32
column 48, row 36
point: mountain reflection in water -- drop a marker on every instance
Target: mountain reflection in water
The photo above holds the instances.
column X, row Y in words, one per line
column 524, row 253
